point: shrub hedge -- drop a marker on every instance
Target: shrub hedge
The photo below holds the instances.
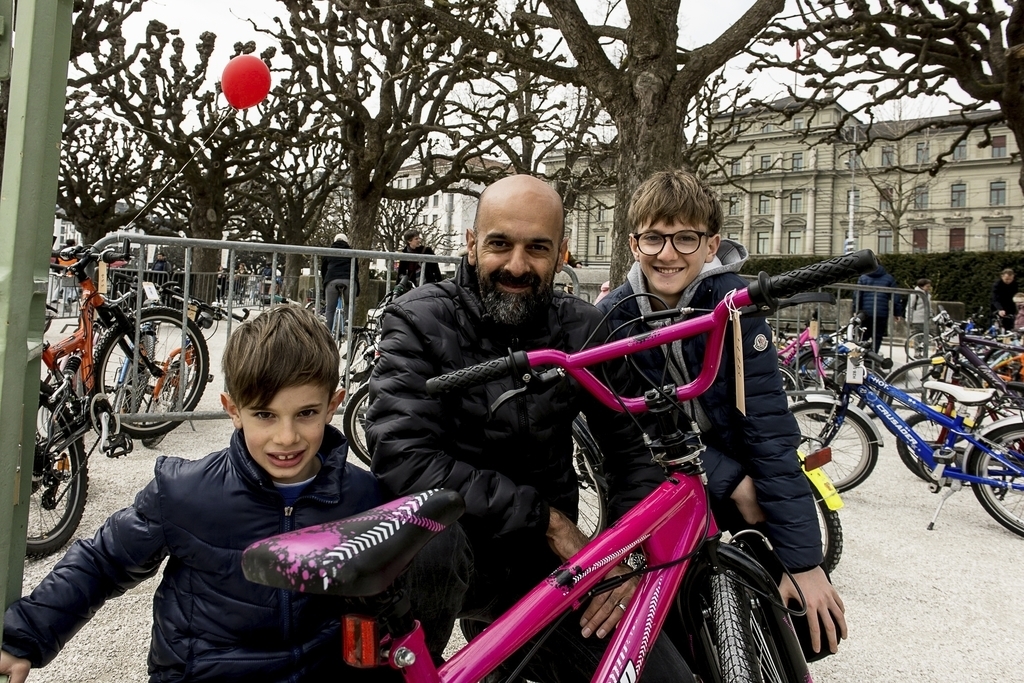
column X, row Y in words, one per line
column 965, row 276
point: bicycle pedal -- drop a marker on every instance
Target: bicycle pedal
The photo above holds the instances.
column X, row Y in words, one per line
column 118, row 445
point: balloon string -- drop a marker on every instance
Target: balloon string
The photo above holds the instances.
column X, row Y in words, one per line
column 202, row 146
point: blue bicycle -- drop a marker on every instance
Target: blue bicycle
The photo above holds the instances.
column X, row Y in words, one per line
column 990, row 460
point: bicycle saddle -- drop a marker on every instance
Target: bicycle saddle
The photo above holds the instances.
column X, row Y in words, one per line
column 354, row 557
column 969, row 396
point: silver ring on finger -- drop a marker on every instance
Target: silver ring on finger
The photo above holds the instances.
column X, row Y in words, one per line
column 621, row 606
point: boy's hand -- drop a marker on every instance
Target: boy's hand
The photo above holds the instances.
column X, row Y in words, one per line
column 15, row 667
column 824, row 606
column 745, row 498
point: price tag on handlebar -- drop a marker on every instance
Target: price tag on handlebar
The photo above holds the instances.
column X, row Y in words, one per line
column 737, row 354
column 151, row 293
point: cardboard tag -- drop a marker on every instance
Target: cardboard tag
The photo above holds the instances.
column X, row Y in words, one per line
column 813, row 329
column 855, row 373
column 737, row 353
column 151, row 293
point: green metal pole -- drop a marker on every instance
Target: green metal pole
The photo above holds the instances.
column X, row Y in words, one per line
column 27, row 200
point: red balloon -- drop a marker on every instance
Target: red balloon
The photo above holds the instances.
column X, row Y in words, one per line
column 245, row 81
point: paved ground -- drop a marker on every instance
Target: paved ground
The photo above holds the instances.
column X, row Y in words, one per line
column 927, row 606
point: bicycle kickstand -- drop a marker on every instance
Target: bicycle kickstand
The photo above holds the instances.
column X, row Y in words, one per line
column 953, row 488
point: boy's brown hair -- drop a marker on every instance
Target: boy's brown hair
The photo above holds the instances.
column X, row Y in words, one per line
column 675, row 195
column 285, row 346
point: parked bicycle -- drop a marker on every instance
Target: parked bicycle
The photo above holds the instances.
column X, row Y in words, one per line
column 728, row 614
column 87, row 385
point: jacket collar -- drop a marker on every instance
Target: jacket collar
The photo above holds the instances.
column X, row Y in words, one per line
column 333, row 452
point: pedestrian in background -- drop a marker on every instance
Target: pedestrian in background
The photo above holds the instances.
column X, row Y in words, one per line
column 919, row 307
column 1002, row 298
column 874, row 306
column 336, row 272
column 414, row 245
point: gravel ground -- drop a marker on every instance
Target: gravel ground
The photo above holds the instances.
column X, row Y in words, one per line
column 936, row 605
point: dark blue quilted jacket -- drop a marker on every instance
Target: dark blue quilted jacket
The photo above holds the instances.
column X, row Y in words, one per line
column 763, row 442
column 210, row 623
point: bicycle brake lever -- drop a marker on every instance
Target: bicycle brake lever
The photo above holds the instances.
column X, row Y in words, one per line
column 536, row 380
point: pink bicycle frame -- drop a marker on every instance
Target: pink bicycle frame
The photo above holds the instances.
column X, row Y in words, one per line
column 788, row 353
column 670, row 523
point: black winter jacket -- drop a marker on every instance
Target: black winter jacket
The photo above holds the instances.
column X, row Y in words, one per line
column 509, row 468
column 762, row 443
column 339, row 267
column 209, row 622
column 412, row 268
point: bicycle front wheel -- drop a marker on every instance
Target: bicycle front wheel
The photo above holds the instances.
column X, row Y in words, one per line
column 853, row 443
column 170, row 375
column 999, row 498
column 60, row 479
column 354, row 423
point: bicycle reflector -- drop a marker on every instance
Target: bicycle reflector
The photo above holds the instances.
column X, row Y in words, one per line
column 817, row 459
column 360, row 643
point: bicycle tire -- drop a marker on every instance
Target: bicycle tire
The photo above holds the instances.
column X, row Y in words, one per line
column 805, row 369
column 56, row 478
column 161, row 337
column 1002, row 503
column 354, row 423
column 361, row 359
column 854, row 446
column 831, row 536
column 730, row 631
column 588, row 464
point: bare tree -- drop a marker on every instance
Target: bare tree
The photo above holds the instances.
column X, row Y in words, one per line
column 969, row 53
column 635, row 68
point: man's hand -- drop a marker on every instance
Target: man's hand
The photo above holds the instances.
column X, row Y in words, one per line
column 606, row 609
column 824, row 606
column 745, row 497
column 15, row 667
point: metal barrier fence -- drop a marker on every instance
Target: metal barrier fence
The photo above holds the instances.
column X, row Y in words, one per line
column 247, row 290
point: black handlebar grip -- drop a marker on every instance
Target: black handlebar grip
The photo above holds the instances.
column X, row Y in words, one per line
column 766, row 290
column 882, row 361
column 469, row 377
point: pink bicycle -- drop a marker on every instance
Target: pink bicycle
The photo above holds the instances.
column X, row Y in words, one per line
column 731, row 624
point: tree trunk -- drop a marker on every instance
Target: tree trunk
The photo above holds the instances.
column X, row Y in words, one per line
column 293, row 265
column 362, row 230
column 205, row 221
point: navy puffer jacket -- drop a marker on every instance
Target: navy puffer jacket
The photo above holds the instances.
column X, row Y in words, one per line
column 761, row 443
column 210, row 623
column 512, row 466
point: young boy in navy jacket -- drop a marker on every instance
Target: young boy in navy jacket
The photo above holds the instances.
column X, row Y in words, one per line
column 284, row 469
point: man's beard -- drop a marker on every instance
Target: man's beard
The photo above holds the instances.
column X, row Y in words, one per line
column 509, row 308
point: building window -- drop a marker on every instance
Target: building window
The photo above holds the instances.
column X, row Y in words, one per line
column 997, row 239
column 433, row 219
column 798, row 123
column 796, row 202
column 920, row 240
column 737, row 167
column 766, row 162
column 956, row 239
column 888, row 156
column 922, row 153
column 733, row 204
column 764, row 204
column 920, row 198
column 960, row 151
column 884, row 199
column 853, row 196
column 768, row 128
column 885, row 241
column 798, row 161
column 437, row 200
column 734, row 236
column 998, row 146
column 599, row 244
column 997, row 193
column 794, row 243
column 763, row 242
column 958, row 195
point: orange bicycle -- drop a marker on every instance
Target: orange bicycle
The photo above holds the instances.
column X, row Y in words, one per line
column 93, row 376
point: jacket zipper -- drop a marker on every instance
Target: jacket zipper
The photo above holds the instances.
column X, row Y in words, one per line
column 286, row 597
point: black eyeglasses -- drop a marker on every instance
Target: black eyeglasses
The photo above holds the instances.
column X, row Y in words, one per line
column 684, row 241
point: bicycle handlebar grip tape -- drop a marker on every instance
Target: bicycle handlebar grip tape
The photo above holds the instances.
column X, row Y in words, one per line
column 477, row 374
column 766, row 290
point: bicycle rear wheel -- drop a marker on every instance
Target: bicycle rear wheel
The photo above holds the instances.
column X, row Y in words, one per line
column 354, row 423
column 1004, row 503
column 593, row 488
column 60, row 479
column 853, row 443
column 160, row 338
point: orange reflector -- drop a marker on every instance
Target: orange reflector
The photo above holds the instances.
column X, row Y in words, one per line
column 359, row 642
column 817, row 459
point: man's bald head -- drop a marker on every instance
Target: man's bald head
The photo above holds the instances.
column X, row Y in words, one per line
column 516, row 195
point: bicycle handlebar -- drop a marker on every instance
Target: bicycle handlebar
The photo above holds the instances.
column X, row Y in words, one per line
column 766, row 290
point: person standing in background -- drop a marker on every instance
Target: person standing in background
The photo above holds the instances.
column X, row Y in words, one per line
column 1002, row 298
column 874, row 306
column 414, row 245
